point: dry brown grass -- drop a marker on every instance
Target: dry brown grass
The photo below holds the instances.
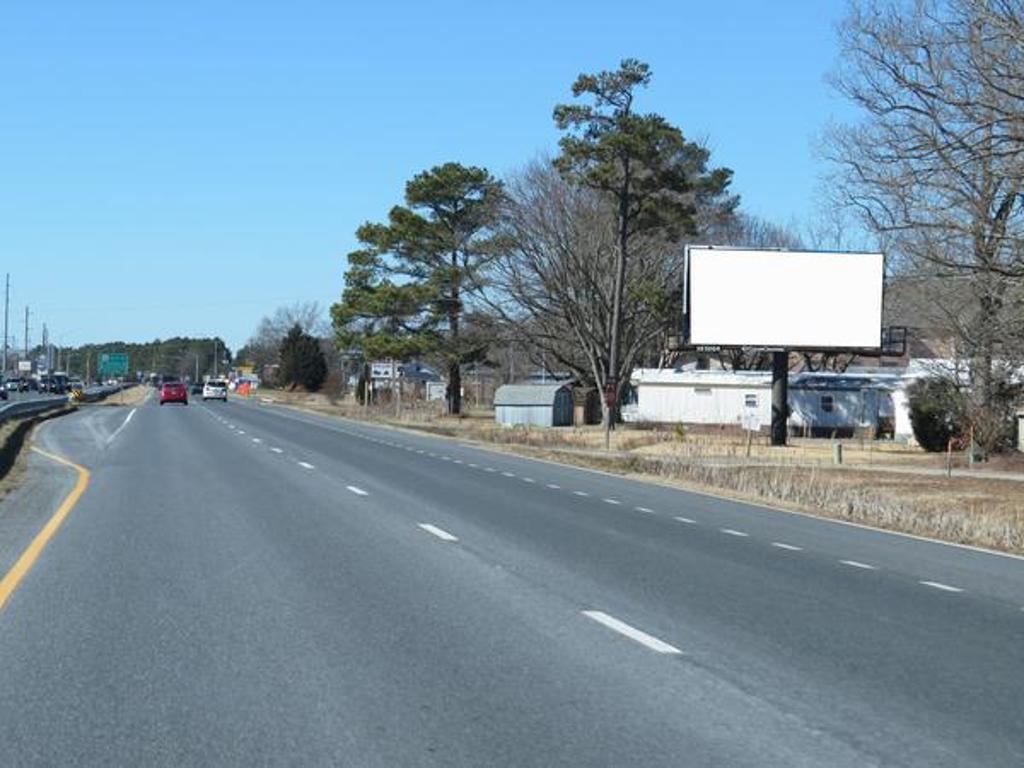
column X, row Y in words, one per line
column 981, row 512
column 131, row 396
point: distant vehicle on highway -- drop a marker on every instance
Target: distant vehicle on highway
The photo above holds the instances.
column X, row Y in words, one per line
column 55, row 384
column 196, row 388
column 15, row 384
column 215, row 389
column 173, row 392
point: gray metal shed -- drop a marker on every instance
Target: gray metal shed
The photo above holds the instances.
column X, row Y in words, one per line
column 539, row 405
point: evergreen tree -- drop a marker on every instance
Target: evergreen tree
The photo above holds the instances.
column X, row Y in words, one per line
column 407, row 289
column 302, row 361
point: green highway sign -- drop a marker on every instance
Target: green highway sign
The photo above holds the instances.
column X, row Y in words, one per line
column 113, row 364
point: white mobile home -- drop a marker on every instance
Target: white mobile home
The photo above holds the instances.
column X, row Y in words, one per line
column 742, row 398
column 820, row 404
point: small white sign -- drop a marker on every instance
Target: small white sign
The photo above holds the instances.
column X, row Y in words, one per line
column 25, row 366
column 383, row 369
column 751, row 420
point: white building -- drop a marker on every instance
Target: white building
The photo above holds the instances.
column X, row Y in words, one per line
column 820, row 403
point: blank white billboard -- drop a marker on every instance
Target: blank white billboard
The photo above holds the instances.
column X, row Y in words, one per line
column 789, row 299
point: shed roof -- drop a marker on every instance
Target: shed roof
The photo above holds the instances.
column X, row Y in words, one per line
column 527, row 394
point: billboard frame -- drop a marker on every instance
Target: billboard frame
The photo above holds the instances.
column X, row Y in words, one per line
column 780, row 354
column 871, row 351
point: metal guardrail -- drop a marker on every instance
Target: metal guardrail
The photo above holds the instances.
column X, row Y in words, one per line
column 52, row 402
column 36, row 405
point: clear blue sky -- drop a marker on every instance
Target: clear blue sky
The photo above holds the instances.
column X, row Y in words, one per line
column 182, row 168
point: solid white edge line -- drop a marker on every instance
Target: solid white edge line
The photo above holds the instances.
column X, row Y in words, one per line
column 639, row 636
column 940, row 585
column 857, row 564
column 357, row 491
column 783, row 545
column 439, row 532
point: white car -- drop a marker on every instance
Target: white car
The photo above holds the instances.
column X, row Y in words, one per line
column 215, row 390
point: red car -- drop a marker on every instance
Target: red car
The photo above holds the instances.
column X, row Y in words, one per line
column 173, row 392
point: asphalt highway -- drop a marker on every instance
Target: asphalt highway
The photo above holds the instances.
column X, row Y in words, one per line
column 245, row 584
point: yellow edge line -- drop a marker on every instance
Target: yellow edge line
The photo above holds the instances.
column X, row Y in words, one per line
column 13, row 577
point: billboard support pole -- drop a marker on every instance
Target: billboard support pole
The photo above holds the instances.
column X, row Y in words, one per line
column 780, row 395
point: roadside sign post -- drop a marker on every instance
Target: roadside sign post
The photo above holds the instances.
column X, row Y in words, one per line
column 114, row 364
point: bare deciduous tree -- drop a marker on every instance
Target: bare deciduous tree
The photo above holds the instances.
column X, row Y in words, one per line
column 935, row 168
column 555, row 284
column 263, row 347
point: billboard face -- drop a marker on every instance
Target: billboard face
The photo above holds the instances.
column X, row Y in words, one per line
column 788, row 299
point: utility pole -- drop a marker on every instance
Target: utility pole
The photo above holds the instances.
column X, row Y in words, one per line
column 26, row 332
column 215, row 358
column 46, row 348
column 7, row 315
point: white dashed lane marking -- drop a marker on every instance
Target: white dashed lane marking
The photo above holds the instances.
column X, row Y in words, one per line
column 611, row 501
column 357, row 491
column 648, row 510
column 276, row 450
column 439, row 532
column 857, row 564
column 306, row 465
column 580, row 493
column 733, row 532
column 508, row 474
column 639, row 636
column 553, row 487
column 940, row 585
column 687, row 520
column 783, row 545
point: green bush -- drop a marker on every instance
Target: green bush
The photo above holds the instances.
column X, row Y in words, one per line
column 935, row 413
